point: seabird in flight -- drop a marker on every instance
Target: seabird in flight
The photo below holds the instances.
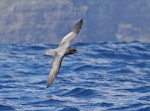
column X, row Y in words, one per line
column 62, row 50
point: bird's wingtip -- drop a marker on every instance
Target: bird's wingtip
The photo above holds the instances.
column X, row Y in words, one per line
column 48, row 85
column 78, row 26
column 81, row 20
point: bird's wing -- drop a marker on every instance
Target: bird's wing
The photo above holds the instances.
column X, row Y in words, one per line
column 55, row 69
column 68, row 38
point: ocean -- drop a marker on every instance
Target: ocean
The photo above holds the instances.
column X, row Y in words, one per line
column 103, row 76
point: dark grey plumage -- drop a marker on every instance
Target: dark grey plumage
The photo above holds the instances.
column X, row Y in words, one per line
column 62, row 50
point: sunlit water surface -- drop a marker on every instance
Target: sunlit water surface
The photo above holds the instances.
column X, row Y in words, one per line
column 105, row 76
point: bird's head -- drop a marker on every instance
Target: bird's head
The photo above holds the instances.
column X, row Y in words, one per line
column 73, row 51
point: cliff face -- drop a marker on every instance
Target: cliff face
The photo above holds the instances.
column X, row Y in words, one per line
column 47, row 21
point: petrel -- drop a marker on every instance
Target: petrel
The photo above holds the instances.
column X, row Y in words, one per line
column 62, row 50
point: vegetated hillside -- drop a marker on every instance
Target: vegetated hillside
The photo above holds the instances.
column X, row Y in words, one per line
column 47, row 21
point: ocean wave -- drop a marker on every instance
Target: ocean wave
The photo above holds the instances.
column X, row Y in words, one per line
column 103, row 76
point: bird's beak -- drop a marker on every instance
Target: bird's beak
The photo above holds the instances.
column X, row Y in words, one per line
column 77, row 52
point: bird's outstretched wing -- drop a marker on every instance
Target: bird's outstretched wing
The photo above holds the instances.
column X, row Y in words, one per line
column 68, row 38
column 55, row 69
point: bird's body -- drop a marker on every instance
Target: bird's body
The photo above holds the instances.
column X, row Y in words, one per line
column 62, row 50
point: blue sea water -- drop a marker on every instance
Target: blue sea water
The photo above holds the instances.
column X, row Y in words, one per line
column 104, row 76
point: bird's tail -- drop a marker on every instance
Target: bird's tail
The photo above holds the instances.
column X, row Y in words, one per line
column 50, row 52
